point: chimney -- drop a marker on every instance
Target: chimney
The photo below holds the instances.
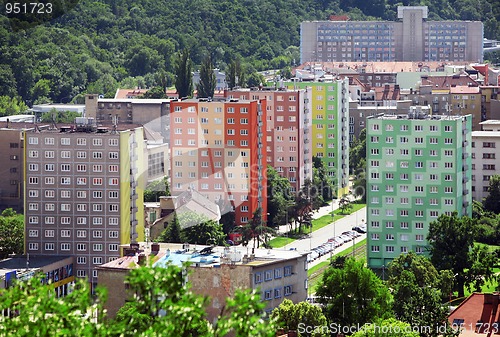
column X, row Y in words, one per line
column 141, row 259
column 155, row 248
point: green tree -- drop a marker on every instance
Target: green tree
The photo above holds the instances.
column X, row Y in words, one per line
column 386, row 328
column 492, row 201
column 235, row 74
column 419, row 291
column 172, row 232
column 322, row 180
column 288, row 316
column 156, row 189
column 456, row 254
column 183, row 75
column 227, row 218
column 155, row 92
column 353, row 295
column 357, row 153
column 66, row 117
column 41, row 311
column 206, row 86
column 482, row 261
column 345, row 204
column 255, row 230
column 206, row 233
column 279, row 198
column 12, row 106
column 255, row 80
column 11, row 233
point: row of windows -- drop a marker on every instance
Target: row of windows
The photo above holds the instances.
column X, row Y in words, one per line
column 179, row 163
column 406, row 176
column 65, row 246
column 67, row 141
column 406, row 152
column 405, row 188
column 390, row 249
column 70, row 167
column 66, row 220
column 271, row 274
column 402, row 237
column 405, row 201
column 205, row 109
column 277, row 292
column 66, row 233
column 204, row 142
column 83, row 259
column 67, row 194
column 416, row 140
column 78, row 181
column 50, row 207
column 405, row 212
column 406, row 127
column 49, row 154
column 406, row 164
column 402, row 224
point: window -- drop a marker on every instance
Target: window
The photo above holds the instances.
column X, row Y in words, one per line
column 258, row 277
column 97, row 141
column 375, row 249
column 113, row 247
column 97, row 247
column 113, row 234
column 81, row 247
column 389, row 249
column 288, row 290
column 65, row 180
column 65, row 246
column 97, row 155
column 287, row 271
column 33, row 246
column 49, row 246
column 65, row 141
column 113, row 142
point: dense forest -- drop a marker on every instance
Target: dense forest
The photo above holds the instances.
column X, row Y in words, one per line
column 96, row 46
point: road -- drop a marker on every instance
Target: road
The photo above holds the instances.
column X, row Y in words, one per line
column 322, row 235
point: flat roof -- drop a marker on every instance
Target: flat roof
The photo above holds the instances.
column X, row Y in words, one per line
column 485, row 134
column 134, row 100
column 35, row 261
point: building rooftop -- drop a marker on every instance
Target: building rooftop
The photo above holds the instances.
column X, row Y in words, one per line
column 464, row 90
column 418, row 115
column 30, row 261
column 203, row 256
column 135, row 100
column 476, row 134
column 479, row 308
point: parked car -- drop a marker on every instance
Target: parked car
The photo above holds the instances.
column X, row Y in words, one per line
column 359, row 229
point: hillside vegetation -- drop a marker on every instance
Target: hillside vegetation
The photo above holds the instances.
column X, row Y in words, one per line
column 98, row 46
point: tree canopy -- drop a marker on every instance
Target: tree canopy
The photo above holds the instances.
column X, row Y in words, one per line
column 11, row 233
column 353, row 295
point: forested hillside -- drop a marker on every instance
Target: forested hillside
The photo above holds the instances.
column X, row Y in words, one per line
column 98, row 46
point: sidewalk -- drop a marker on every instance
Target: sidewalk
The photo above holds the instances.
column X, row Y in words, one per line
column 325, row 210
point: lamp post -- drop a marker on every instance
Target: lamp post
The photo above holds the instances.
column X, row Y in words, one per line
column 332, row 252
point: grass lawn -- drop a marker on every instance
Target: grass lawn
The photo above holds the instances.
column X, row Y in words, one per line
column 319, row 223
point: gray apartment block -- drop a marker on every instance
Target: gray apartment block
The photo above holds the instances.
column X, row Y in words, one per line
column 410, row 39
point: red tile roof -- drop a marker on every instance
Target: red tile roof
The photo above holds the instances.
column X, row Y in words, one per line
column 477, row 308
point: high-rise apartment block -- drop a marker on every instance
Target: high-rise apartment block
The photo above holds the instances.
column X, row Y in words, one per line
column 218, row 148
column 411, row 39
column 330, row 127
column 419, row 167
column 83, row 192
column 288, row 130
column 484, row 157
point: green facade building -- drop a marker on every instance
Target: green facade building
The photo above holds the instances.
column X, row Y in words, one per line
column 419, row 167
column 330, row 129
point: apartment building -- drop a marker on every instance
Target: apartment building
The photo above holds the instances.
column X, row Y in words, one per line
column 484, row 159
column 217, row 148
column 413, row 38
column 330, row 126
column 154, row 113
column 288, row 130
column 277, row 275
column 419, row 167
column 84, row 192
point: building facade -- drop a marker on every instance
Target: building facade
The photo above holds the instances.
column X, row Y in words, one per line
column 484, row 159
column 84, row 193
column 276, row 275
column 330, row 127
column 11, row 152
column 419, row 167
column 218, row 149
column 411, row 39
column 288, row 131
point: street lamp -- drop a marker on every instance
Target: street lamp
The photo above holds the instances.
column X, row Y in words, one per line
column 332, row 252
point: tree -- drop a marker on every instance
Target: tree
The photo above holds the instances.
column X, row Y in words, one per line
column 12, row 106
column 206, row 233
column 11, row 233
column 419, row 291
column 492, row 201
column 156, row 189
column 235, row 74
column 386, row 328
column 208, row 82
column 172, row 232
column 227, row 218
column 66, row 117
column 155, row 92
column 183, row 75
column 345, row 204
column 353, row 295
column 290, row 316
column 255, row 80
column 162, row 305
column 279, row 198
column 322, row 180
column 480, row 271
column 255, row 230
column 454, row 254
column 357, row 153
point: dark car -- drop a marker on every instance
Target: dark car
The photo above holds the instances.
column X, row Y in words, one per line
column 359, row 229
